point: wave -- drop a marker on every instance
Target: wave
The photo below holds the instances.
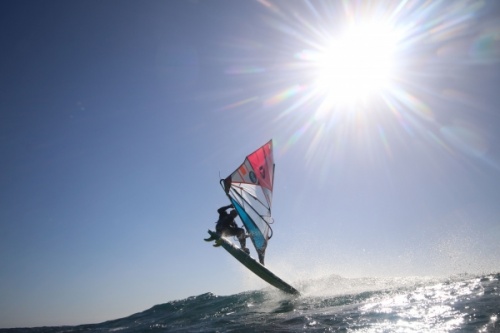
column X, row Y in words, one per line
column 460, row 303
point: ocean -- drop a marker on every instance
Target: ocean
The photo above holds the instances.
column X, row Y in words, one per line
column 462, row 303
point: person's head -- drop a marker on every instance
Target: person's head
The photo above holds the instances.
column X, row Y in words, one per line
column 233, row 213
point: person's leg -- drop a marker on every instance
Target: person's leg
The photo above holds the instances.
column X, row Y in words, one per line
column 240, row 233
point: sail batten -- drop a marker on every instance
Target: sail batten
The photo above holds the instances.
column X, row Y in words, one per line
column 250, row 189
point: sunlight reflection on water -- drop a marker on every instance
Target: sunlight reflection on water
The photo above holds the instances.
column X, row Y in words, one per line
column 430, row 309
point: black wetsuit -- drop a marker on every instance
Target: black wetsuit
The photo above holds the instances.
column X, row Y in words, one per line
column 227, row 227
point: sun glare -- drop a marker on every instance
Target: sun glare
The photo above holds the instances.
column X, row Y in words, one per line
column 367, row 74
column 356, row 64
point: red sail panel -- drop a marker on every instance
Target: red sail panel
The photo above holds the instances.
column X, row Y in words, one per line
column 262, row 163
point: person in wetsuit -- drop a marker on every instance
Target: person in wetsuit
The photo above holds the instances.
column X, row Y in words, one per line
column 226, row 226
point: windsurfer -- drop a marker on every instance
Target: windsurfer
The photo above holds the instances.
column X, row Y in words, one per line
column 226, row 226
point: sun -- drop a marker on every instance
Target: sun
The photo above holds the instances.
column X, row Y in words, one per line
column 356, row 64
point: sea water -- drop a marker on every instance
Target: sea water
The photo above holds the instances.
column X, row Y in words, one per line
column 461, row 303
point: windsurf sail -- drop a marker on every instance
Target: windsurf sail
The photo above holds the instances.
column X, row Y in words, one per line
column 250, row 190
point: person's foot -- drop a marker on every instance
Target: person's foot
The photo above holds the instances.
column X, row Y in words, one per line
column 246, row 250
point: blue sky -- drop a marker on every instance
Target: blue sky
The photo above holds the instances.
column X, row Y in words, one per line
column 119, row 117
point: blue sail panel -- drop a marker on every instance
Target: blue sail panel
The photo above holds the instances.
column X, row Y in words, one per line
column 258, row 239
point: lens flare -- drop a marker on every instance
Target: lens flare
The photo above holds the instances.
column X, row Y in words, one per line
column 339, row 69
column 357, row 63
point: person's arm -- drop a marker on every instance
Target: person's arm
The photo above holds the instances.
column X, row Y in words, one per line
column 223, row 209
